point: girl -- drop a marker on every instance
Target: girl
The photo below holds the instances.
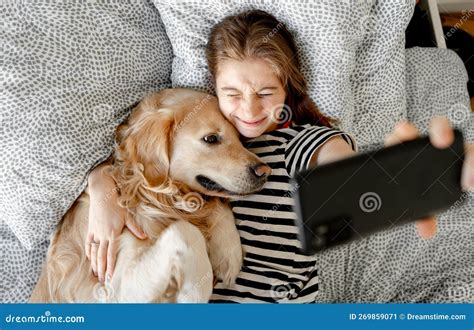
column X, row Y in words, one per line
column 262, row 92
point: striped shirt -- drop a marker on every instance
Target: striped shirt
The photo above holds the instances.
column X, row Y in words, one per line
column 274, row 271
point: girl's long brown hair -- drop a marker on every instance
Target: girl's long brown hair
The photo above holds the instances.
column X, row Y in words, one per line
column 257, row 34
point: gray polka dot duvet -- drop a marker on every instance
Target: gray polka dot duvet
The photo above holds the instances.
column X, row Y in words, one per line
column 70, row 73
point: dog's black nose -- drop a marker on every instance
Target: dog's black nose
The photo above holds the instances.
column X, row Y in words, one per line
column 260, row 170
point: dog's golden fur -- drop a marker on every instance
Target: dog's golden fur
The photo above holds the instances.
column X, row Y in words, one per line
column 160, row 153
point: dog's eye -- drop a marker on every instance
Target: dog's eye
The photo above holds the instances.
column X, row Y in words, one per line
column 211, row 138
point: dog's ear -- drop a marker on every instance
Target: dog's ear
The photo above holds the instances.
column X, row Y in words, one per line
column 144, row 141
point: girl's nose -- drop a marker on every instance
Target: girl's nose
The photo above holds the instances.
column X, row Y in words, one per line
column 250, row 107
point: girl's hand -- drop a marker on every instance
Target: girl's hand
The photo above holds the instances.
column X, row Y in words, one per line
column 441, row 136
column 106, row 222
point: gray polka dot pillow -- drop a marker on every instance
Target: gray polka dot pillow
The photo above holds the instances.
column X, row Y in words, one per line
column 436, row 81
column 351, row 52
column 378, row 79
column 69, row 73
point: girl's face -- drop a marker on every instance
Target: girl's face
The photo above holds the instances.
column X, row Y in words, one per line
column 250, row 95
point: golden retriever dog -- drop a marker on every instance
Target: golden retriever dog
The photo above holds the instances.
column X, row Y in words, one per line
column 176, row 161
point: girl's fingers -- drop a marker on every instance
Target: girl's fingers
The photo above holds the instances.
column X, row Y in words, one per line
column 94, row 250
column 403, row 131
column 426, row 227
column 111, row 257
column 89, row 239
column 441, row 132
column 467, row 175
column 134, row 228
column 102, row 260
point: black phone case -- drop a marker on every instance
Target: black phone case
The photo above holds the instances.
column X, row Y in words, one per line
column 354, row 197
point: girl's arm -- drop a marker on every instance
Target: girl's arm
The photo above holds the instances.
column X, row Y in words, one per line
column 441, row 136
column 336, row 148
column 106, row 222
column 333, row 149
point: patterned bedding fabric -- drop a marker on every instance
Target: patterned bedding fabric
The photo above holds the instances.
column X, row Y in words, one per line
column 127, row 54
column 69, row 74
column 396, row 265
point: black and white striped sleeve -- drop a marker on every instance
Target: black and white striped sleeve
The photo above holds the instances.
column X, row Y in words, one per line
column 300, row 149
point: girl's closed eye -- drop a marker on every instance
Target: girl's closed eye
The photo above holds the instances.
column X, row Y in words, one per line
column 264, row 94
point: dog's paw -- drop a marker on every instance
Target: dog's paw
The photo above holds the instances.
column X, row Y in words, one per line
column 227, row 264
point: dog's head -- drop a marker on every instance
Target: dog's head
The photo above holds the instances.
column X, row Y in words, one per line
column 180, row 135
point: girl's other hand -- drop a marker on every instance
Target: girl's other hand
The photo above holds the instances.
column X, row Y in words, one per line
column 106, row 222
column 441, row 136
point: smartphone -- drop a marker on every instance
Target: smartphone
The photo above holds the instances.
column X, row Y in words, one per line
column 352, row 198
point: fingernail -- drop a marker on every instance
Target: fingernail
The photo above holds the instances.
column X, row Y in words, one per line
column 108, row 277
column 446, row 133
column 470, row 181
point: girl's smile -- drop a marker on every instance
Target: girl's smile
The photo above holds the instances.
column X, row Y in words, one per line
column 250, row 95
column 251, row 124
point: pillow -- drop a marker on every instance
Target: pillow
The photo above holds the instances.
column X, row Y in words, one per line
column 437, row 86
column 327, row 35
column 70, row 73
column 378, row 79
column 351, row 53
